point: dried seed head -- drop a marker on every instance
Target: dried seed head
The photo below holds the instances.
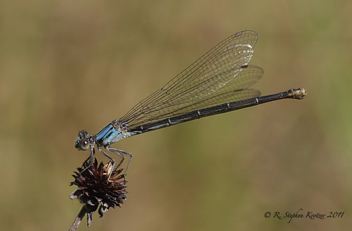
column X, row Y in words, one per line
column 95, row 191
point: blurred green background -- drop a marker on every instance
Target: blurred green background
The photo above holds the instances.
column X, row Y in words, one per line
column 72, row 65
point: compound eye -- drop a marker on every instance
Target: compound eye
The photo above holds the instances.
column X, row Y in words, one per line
column 84, row 144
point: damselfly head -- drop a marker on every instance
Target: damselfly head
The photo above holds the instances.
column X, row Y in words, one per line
column 82, row 142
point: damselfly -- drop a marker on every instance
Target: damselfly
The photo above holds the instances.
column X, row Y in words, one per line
column 217, row 82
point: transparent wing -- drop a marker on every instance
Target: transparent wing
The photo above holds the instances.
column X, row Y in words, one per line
column 219, row 76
